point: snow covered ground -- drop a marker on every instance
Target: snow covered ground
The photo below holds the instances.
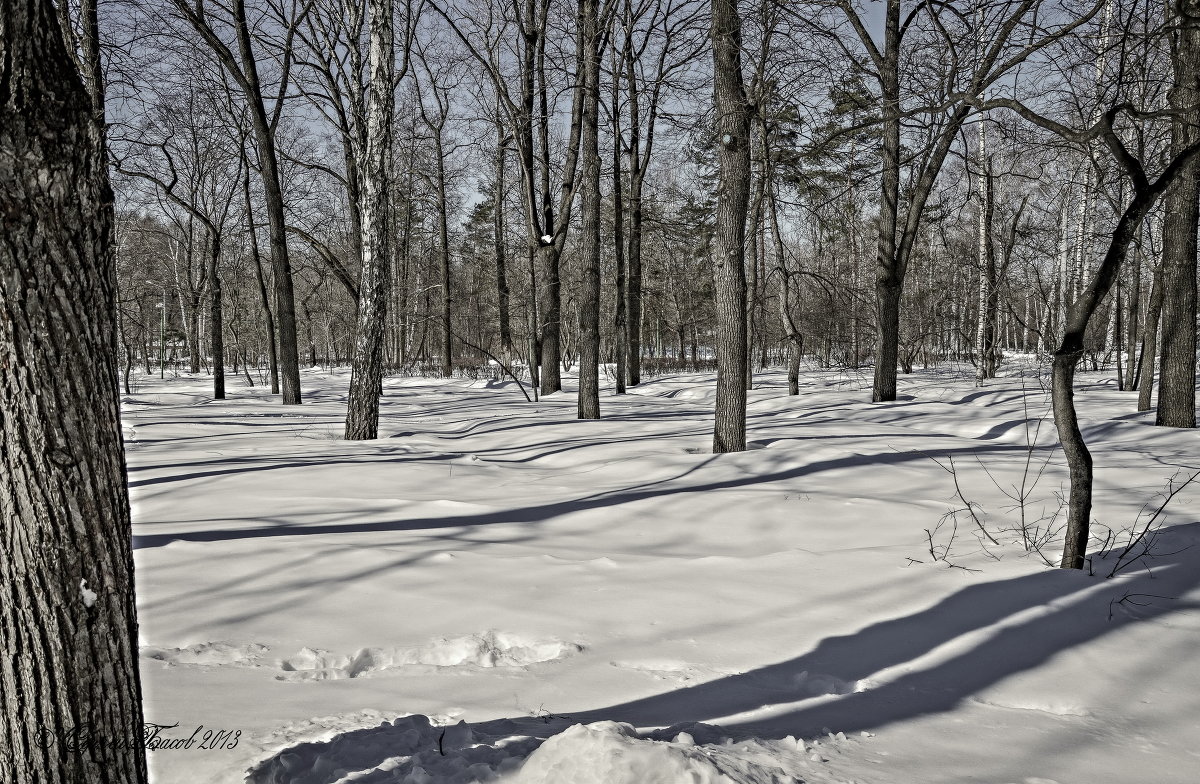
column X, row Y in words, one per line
column 496, row 591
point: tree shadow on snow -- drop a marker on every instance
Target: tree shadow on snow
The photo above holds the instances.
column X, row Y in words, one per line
column 538, row 513
column 992, row 630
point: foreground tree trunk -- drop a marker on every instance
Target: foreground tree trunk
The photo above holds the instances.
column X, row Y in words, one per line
column 729, row 243
column 366, row 375
column 1177, row 367
column 70, row 699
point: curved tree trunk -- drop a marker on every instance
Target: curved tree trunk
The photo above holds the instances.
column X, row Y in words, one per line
column 70, row 699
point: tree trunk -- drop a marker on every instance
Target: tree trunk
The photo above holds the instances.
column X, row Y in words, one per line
column 244, row 69
column 1079, row 314
column 729, row 243
column 1150, row 342
column 498, row 246
column 1177, row 365
column 985, row 335
column 264, row 298
column 550, row 313
column 70, row 698
column 216, row 321
column 889, row 278
column 444, row 253
column 620, row 320
column 285, row 302
column 366, row 374
column 589, row 295
column 1133, row 315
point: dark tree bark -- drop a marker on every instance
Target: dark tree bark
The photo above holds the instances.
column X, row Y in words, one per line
column 728, row 246
column 215, row 317
column 1177, row 365
column 890, row 268
column 366, row 374
column 620, row 320
column 70, row 698
column 589, row 296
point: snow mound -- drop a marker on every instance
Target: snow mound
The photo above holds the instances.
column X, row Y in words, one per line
column 612, row 753
column 208, row 653
column 412, row 750
column 490, row 649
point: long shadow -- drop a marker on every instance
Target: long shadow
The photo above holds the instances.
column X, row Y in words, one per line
column 1077, row 610
column 542, row 512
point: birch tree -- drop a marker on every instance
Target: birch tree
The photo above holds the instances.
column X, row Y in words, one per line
column 366, row 374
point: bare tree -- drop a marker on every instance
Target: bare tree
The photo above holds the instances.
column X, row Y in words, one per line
column 1145, row 192
column 980, row 54
column 243, row 68
column 515, row 36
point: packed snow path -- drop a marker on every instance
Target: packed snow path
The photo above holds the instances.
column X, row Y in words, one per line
column 498, row 563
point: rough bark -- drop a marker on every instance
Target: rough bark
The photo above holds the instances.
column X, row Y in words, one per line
column 1177, row 364
column 70, row 699
column 888, row 277
column 589, row 295
column 728, row 244
column 366, row 375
